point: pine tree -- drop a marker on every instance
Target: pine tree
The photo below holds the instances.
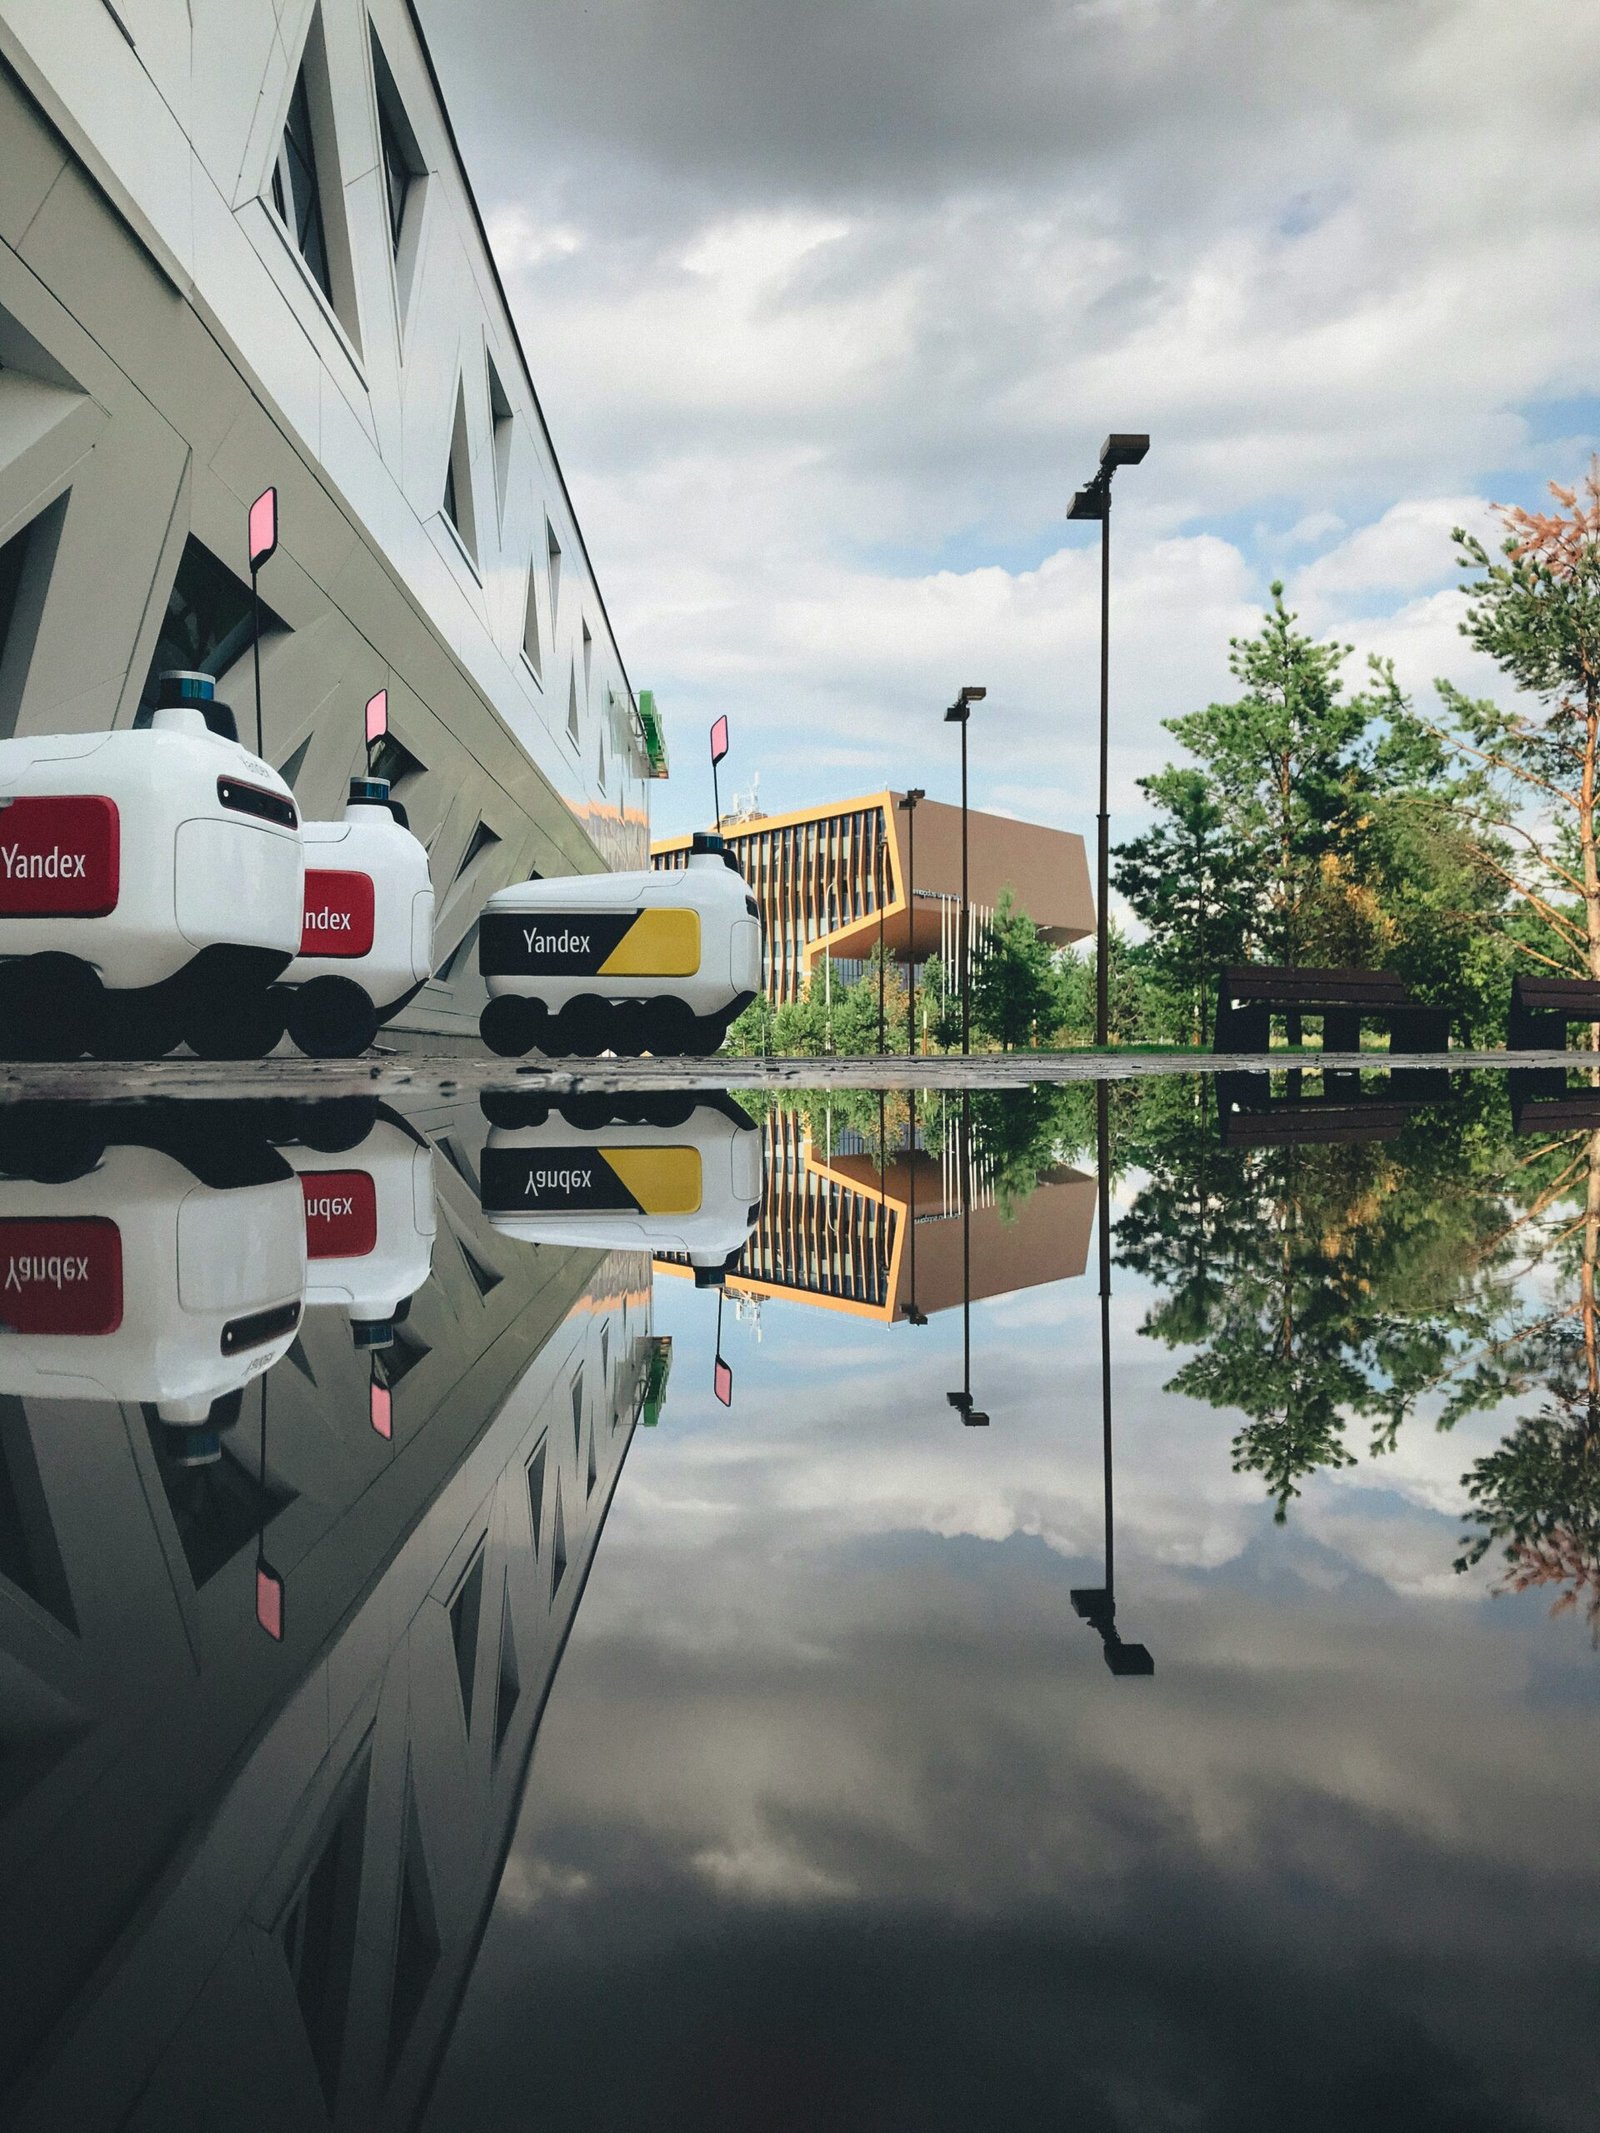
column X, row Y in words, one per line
column 1016, row 987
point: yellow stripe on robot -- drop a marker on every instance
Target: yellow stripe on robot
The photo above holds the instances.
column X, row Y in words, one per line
column 664, row 1181
column 659, row 944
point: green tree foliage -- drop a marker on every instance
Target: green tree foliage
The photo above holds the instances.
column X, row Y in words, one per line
column 1279, row 765
column 1187, row 879
column 1016, row 980
column 1536, row 612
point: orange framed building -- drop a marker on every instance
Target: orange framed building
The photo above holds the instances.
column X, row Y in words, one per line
column 827, row 879
column 842, row 1233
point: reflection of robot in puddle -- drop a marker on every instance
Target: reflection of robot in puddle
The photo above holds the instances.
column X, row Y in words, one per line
column 655, row 1174
column 165, row 1254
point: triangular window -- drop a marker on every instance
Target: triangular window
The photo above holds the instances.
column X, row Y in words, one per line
column 553, row 557
column 480, row 841
column 572, row 707
column 508, row 1684
column 536, row 1491
column 558, row 1546
column 416, row 1940
column 458, row 479
column 397, row 144
column 465, row 1610
column 531, row 648
column 318, row 1931
column 296, row 189
column 500, row 428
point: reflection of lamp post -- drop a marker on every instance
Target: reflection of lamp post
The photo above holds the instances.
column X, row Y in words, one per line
column 1094, row 502
column 962, row 1401
column 1097, row 1604
column 908, row 800
column 916, row 1316
column 958, row 715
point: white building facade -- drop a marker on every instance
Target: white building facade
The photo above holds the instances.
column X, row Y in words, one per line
column 238, row 248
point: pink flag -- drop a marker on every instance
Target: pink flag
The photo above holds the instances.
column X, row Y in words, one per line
column 382, row 1409
column 263, row 535
column 377, row 716
column 719, row 739
column 722, row 1382
column 269, row 1600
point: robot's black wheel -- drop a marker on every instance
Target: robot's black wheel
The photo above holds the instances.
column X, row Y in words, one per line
column 135, row 1025
column 709, row 1031
column 583, row 1028
column 49, row 1006
column 670, row 1028
column 588, row 1114
column 239, row 1026
column 511, row 1025
column 338, row 1125
column 331, row 1018
column 628, row 1028
column 509, row 1109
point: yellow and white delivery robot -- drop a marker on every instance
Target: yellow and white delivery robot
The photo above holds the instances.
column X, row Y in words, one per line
column 638, row 962
column 625, row 1183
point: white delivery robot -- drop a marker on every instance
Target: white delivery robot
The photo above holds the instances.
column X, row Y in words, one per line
column 151, row 887
column 625, row 1183
column 366, row 942
column 370, row 1222
column 169, row 1270
column 589, row 963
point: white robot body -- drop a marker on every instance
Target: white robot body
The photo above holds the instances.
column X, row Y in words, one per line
column 623, row 962
column 370, row 1222
column 135, row 852
column 137, row 1282
column 623, row 1186
column 368, row 915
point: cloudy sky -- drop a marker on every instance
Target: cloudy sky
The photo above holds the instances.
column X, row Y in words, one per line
column 837, row 1819
column 831, row 305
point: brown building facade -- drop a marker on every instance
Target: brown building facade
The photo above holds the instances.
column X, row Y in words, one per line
column 830, row 880
column 875, row 1241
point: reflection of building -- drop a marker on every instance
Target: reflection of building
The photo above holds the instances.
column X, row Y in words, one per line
column 242, row 1883
column 241, row 249
column 824, row 876
column 838, row 1233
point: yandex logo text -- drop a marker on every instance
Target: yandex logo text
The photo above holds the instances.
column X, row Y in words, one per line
column 340, row 913
column 60, row 856
column 341, row 1213
column 61, row 1277
column 563, row 943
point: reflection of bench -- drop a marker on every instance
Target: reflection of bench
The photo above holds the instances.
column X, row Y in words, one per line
column 1250, row 1116
column 1541, row 1008
column 1250, row 994
column 1541, row 1102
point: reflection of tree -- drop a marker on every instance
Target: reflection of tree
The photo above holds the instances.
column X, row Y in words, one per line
column 1318, row 1283
column 1538, row 1493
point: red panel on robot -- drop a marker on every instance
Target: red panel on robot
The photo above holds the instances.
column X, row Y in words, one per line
column 60, row 856
column 61, row 1277
column 340, row 911
column 341, row 1213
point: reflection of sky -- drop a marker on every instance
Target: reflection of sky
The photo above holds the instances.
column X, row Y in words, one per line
column 837, row 1818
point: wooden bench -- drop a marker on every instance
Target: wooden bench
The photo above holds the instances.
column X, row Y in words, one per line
column 1541, row 1102
column 1249, row 994
column 1541, row 1008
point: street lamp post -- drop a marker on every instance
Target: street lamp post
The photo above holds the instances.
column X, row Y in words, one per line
column 1097, row 1604
column 908, row 800
column 962, row 1401
column 958, row 714
column 1121, row 449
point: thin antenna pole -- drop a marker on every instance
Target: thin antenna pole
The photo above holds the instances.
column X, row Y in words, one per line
column 261, row 749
